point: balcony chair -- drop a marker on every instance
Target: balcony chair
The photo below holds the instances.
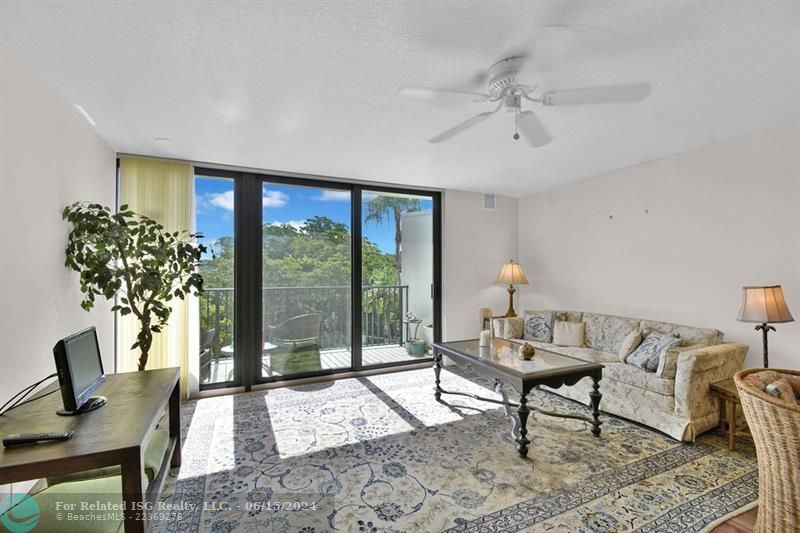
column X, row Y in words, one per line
column 301, row 331
column 206, row 353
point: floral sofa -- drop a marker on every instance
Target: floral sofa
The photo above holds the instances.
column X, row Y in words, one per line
column 674, row 399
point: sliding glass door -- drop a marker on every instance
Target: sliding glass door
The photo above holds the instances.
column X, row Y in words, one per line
column 306, row 278
column 214, row 218
column 398, row 319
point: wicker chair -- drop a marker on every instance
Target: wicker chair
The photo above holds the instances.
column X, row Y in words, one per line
column 297, row 332
column 775, row 426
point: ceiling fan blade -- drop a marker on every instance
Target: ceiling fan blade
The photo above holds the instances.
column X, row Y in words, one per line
column 433, row 93
column 455, row 130
column 611, row 94
column 532, row 129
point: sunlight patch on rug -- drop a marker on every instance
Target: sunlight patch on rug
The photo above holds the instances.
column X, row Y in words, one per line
column 338, row 420
column 379, row 454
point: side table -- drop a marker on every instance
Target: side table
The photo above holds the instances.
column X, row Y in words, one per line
column 728, row 400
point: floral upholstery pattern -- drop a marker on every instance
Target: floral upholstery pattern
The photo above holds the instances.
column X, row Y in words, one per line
column 513, row 328
column 615, row 329
column 668, row 362
column 689, row 335
column 594, row 330
column 569, row 316
column 675, row 397
column 648, row 354
column 634, row 376
column 697, row 370
column 629, row 344
column 539, row 325
column 508, row 328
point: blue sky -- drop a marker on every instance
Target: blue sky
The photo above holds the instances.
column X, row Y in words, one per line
column 282, row 204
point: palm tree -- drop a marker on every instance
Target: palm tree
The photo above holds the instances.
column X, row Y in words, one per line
column 381, row 208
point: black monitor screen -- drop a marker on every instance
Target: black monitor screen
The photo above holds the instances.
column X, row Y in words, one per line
column 83, row 357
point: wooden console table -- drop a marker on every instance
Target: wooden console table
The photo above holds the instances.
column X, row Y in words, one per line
column 115, row 434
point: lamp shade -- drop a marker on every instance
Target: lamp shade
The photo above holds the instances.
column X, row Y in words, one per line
column 764, row 305
column 512, row 273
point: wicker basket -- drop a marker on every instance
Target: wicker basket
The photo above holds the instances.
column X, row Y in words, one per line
column 776, row 432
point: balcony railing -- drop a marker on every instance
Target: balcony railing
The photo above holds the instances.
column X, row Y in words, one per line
column 381, row 319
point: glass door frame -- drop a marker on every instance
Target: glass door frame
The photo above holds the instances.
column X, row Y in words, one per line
column 248, row 261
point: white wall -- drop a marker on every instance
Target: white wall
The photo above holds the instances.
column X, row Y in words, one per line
column 416, row 260
column 476, row 243
column 49, row 157
column 718, row 218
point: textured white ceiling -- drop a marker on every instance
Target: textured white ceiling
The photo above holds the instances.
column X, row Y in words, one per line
column 310, row 86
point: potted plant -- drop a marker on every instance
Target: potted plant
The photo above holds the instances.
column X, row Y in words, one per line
column 415, row 346
column 133, row 258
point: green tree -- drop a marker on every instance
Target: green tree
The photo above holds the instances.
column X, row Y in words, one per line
column 387, row 208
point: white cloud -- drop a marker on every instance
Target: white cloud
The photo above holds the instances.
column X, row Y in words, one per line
column 274, row 199
column 296, row 224
column 329, row 195
column 223, row 200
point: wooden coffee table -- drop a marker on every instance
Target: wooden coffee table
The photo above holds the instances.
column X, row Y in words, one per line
column 501, row 362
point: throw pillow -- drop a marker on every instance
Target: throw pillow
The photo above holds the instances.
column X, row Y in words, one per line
column 782, row 390
column 568, row 333
column 539, row 326
column 631, row 341
column 668, row 362
column 648, row 354
column 513, row 328
column 498, row 327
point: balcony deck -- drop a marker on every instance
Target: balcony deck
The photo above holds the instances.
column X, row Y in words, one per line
column 279, row 364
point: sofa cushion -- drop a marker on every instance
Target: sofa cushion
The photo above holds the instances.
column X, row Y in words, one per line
column 539, row 325
column 584, row 354
column 688, row 334
column 629, row 344
column 607, row 332
column 512, row 328
column 594, row 330
column 568, row 333
column 668, row 362
column 648, row 354
column 637, row 377
column 615, row 329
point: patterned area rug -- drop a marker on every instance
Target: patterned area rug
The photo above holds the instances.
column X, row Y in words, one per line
column 379, row 454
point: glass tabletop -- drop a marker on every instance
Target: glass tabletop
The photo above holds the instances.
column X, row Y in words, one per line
column 505, row 354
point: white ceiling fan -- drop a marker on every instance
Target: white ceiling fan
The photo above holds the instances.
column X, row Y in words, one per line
column 508, row 92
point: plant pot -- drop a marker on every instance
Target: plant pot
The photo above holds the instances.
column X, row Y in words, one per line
column 427, row 334
column 416, row 348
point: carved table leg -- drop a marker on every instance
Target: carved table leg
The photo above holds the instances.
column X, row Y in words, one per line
column 522, row 413
column 595, row 397
column 437, row 370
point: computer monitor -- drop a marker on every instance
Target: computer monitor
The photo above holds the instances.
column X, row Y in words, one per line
column 80, row 371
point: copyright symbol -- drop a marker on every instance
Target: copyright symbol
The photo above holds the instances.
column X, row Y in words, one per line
column 58, row 516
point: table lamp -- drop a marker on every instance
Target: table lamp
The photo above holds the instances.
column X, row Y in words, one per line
column 512, row 274
column 764, row 304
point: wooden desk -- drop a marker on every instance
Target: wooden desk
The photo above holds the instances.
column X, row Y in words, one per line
column 113, row 435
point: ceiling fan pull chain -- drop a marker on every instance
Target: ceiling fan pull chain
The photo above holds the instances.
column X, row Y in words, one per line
column 516, row 126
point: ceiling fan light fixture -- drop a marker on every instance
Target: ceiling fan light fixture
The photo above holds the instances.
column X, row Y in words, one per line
column 506, row 91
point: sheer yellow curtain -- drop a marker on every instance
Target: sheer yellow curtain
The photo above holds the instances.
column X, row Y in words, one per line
column 163, row 191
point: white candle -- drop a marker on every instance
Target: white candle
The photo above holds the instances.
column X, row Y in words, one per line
column 486, row 338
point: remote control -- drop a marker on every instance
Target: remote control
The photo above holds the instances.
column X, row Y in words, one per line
column 30, row 438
